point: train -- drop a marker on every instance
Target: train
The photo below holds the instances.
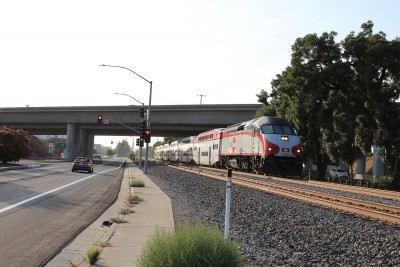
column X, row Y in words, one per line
column 267, row 144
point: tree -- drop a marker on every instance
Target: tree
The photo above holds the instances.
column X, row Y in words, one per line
column 14, row 145
column 341, row 96
column 301, row 91
column 169, row 140
column 266, row 109
column 375, row 64
column 123, row 148
column 110, row 152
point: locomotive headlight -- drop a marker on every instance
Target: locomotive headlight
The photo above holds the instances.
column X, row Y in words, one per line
column 298, row 150
column 284, row 138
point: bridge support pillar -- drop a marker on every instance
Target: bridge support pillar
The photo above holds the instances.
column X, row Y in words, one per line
column 83, row 140
column 377, row 169
column 360, row 165
column 90, row 145
column 72, row 141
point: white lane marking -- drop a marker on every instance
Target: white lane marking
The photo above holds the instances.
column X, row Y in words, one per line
column 52, row 191
column 33, row 175
column 20, row 178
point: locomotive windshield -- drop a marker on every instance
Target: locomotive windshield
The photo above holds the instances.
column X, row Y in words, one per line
column 278, row 129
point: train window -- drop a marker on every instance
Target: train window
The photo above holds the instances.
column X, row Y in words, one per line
column 267, row 129
column 204, row 154
column 278, row 129
column 288, row 129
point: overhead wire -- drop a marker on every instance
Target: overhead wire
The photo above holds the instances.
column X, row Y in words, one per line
column 281, row 44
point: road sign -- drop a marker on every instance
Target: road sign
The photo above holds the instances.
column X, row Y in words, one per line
column 106, row 121
column 62, row 145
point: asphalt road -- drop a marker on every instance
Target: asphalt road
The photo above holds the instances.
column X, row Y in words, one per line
column 43, row 209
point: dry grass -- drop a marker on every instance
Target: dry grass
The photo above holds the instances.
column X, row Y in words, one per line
column 125, row 211
column 134, row 199
column 118, row 220
column 103, row 244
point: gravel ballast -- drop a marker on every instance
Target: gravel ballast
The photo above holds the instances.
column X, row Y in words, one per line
column 277, row 231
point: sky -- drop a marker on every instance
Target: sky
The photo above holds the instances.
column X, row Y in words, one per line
column 193, row 51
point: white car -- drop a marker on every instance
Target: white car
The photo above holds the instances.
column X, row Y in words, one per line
column 338, row 174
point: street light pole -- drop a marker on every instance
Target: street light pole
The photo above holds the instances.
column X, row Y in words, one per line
column 148, row 109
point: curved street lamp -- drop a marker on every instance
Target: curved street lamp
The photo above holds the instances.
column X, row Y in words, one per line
column 148, row 108
column 130, row 97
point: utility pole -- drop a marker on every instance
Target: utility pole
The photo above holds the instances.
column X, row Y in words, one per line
column 201, row 97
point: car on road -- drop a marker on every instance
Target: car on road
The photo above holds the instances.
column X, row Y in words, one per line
column 82, row 164
column 338, row 174
column 97, row 159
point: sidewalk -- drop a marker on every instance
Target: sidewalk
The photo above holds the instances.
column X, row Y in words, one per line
column 126, row 240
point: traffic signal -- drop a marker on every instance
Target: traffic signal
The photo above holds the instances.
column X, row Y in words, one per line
column 100, row 120
column 137, row 142
column 141, row 112
column 141, row 143
column 143, row 128
column 147, row 135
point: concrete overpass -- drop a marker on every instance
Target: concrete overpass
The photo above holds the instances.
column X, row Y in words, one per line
column 80, row 123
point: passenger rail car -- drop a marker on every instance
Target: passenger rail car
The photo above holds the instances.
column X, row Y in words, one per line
column 267, row 145
column 172, row 151
column 206, row 148
column 181, row 150
column 185, row 152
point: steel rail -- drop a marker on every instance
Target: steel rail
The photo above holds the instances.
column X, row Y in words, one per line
column 364, row 208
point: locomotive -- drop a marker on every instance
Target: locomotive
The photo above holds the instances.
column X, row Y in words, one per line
column 268, row 145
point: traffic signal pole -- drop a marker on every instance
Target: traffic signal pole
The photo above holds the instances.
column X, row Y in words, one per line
column 140, row 157
column 148, row 108
column 142, row 129
column 148, row 126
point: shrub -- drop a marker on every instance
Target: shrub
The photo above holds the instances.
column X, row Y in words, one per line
column 383, row 182
column 190, row 246
column 136, row 183
column 93, row 254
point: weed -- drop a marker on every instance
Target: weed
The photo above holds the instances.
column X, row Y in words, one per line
column 118, row 220
column 199, row 245
column 93, row 254
column 125, row 211
column 383, row 182
column 134, row 199
column 103, row 244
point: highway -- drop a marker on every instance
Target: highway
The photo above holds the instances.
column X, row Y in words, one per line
column 43, row 209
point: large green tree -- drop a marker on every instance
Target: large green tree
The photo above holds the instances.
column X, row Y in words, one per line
column 375, row 65
column 341, row 96
column 14, row 145
column 301, row 91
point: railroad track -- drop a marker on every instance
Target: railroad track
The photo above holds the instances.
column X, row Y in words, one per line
column 372, row 210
